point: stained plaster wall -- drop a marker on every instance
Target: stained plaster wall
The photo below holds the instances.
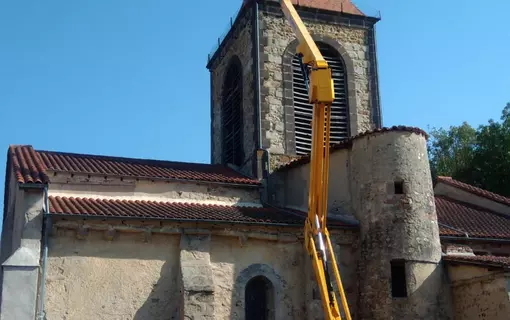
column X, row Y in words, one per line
column 479, row 293
column 127, row 278
column 339, row 196
column 103, row 274
column 131, row 189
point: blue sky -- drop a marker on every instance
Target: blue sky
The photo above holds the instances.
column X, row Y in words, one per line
column 128, row 78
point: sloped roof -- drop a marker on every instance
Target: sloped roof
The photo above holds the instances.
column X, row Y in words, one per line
column 110, row 208
column 458, row 219
column 488, row 260
column 474, row 190
column 345, row 6
column 347, row 143
column 31, row 166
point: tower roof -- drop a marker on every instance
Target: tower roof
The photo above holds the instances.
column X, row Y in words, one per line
column 345, row 6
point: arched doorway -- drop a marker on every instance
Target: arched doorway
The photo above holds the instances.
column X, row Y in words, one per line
column 259, row 299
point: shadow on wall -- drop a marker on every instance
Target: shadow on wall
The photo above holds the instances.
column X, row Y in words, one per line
column 99, row 279
column 163, row 300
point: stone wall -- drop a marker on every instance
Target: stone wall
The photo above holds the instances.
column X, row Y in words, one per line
column 352, row 36
column 392, row 195
column 119, row 270
column 277, row 47
column 235, row 262
column 479, row 293
column 237, row 43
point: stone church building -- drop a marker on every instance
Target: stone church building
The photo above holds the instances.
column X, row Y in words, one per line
column 98, row 237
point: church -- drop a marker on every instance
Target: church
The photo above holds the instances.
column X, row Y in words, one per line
column 101, row 237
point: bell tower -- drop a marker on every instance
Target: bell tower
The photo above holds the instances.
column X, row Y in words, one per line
column 258, row 98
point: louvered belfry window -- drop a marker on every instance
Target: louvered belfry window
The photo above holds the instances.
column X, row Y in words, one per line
column 303, row 110
column 231, row 115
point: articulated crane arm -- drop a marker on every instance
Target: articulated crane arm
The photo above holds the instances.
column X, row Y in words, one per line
column 321, row 94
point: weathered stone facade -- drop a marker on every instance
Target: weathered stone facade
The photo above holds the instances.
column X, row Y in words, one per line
column 125, row 269
column 394, row 225
column 394, row 201
column 238, row 43
column 278, row 46
column 268, row 112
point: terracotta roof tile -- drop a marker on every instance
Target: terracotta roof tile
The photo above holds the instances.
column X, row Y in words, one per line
column 474, row 190
column 174, row 211
column 345, row 6
column 30, row 166
column 27, row 165
column 482, row 260
column 346, row 143
column 457, row 219
column 332, row 5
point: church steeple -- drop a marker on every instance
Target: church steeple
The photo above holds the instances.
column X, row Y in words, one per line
column 264, row 107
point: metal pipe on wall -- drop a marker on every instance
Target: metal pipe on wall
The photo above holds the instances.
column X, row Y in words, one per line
column 41, row 314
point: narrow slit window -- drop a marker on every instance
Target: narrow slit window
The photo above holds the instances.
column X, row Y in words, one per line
column 398, row 279
column 232, row 114
column 399, row 187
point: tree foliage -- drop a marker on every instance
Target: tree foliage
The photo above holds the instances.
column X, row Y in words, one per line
column 480, row 157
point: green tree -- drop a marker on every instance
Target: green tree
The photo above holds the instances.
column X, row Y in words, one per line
column 480, row 157
column 451, row 151
column 491, row 161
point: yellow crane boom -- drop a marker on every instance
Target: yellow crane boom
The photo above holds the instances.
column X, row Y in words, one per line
column 321, row 94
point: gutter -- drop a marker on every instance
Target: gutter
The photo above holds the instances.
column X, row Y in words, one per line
column 475, row 239
column 71, row 215
column 346, row 226
column 41, row 314
column 455, row 229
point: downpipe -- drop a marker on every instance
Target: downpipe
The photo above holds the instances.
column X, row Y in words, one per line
column 257, row 73
column 41, row 314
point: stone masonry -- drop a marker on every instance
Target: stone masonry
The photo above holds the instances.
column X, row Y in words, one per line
column 196, row 278
column 278, row 45
column 271, row 108
column 238, row 44
column 394, row 202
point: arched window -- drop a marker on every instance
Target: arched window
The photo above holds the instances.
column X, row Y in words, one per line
column 232, row 114
column 303, row 110
column 259, row 299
